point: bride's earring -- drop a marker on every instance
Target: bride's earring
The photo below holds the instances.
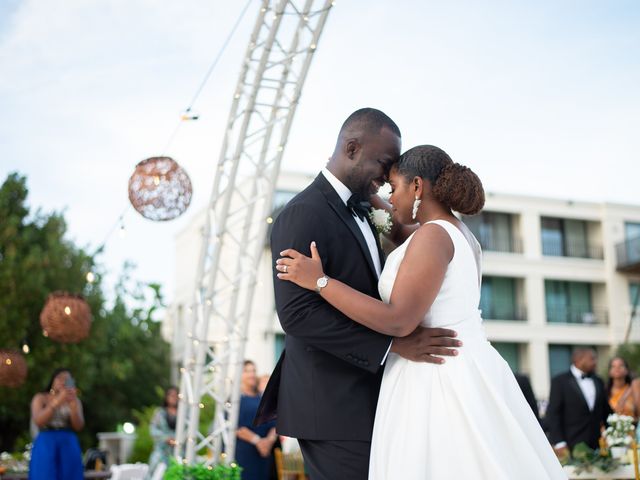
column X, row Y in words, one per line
column 416, row 206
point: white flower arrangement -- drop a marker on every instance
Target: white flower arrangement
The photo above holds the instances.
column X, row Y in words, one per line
column 620, row 430
column 381, row 219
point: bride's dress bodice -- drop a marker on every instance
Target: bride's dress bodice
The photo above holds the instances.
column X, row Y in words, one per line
column 456, row 305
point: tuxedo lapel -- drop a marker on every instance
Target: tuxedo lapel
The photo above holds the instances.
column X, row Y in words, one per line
column 578, row 391
column 336, row 203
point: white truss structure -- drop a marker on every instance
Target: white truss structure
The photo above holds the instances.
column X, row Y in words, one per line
column 275, row 65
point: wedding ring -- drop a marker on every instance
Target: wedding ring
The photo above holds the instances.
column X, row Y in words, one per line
column 285, row 268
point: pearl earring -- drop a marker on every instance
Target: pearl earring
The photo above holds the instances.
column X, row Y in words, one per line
column 416, row 205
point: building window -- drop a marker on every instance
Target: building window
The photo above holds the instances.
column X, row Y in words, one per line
column 559, row 359
column 279, row 345
column 567, row 238
column 494, row 231
column 498, row 299
column 632, row 241
column 510, row 352
column 281, row 198
column 570, row 302
column 634, row 295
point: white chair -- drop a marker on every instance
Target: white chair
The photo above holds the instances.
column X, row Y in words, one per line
column 158, row 473
column 129, row 471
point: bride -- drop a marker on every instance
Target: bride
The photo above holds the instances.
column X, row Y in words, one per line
column 465, row 418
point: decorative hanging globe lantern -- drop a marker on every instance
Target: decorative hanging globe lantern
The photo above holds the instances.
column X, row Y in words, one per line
column 65, row 318
column 13, row 368
column 159, row 189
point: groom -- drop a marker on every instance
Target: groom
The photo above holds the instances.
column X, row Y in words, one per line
column 324, row 389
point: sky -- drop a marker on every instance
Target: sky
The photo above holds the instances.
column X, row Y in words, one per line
column 539, row 98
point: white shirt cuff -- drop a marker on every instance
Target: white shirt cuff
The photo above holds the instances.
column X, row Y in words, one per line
column 384, row 359
column 560, row 445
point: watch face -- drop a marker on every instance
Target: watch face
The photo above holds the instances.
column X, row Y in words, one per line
column 322, row 282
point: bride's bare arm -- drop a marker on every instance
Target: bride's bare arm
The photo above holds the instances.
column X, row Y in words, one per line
column 416, row 286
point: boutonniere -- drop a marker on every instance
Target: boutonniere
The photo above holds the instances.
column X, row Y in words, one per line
column 381, row 219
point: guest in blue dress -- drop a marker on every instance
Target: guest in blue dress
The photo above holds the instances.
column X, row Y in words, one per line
column 254, row 444
column 56, row 414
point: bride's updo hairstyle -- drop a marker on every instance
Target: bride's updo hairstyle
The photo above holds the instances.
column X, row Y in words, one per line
column 453, row 185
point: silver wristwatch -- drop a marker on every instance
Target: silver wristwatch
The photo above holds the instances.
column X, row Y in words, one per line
column 321, row 283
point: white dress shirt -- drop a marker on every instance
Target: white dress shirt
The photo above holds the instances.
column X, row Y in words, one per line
column 587, row 385
column 344, row 193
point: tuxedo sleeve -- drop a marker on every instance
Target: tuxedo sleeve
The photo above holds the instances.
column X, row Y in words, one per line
column 555, row 412
column 303, row 313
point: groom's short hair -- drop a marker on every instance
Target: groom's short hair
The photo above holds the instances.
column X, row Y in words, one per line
column 369, row 120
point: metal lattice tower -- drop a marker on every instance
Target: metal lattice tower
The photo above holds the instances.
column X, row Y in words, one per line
column 274, row 68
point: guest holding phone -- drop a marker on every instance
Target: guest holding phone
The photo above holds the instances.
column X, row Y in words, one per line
column 56, row 414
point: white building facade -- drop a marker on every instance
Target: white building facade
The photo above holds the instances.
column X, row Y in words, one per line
column 556, row 274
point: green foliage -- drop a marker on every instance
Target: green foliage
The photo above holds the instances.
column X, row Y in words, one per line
column 202, row 472
column 117, row 369
column 143, row 445
column 585, row 459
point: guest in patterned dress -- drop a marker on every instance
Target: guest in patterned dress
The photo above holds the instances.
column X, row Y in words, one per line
column 163, row 429
column 623, row 392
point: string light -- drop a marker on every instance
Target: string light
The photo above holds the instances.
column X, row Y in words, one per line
column 90, row 277
column 67, row 310
column 25, row 348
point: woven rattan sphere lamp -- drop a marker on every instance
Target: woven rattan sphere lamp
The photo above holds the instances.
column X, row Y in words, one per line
column 160, row 189
column 13, row 368
column 66, row 318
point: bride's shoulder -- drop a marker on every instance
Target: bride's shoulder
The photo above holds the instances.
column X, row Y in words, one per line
column 431, row 238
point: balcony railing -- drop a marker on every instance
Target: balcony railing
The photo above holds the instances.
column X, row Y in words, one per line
column 579, row 315
column 507, row 312
column 556, row 248
column 628, row 255
column 501, row 244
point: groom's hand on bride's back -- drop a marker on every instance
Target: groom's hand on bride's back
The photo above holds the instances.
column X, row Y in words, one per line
column 429, row 345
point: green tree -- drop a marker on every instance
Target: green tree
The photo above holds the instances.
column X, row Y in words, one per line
column 123, row 364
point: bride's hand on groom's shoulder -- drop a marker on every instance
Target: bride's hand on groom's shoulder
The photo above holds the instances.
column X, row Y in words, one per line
column 295, row 267
column 427, row 345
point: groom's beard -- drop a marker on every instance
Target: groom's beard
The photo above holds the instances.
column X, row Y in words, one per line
column 361, row 187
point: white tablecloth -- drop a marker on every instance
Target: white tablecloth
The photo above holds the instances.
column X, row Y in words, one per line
column 622, row 473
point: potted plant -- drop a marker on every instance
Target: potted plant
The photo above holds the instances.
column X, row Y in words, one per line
column 619, row 434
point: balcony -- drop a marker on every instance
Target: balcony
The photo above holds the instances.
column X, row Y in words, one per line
column 503, row 244
column 504, row 312
column 580, row 249
column 578, row 315
column 628, row 256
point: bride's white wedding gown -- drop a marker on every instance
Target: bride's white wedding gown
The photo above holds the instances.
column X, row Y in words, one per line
column 466, row 419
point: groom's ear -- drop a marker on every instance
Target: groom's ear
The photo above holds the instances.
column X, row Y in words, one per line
column 352, row 147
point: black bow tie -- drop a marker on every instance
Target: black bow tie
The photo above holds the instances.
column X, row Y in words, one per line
column 587, row 375
column 358, row 207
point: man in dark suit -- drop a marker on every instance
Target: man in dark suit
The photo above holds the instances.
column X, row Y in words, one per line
column 324, row 389
column 577, row 404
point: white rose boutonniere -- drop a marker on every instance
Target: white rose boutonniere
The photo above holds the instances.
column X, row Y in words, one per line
column 381, row 219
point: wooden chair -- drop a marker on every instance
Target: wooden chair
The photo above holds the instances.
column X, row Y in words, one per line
column 289, row 465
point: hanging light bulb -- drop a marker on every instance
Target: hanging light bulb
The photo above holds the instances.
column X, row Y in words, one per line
column 90, row 277
column 67, row 310
column 25, row 348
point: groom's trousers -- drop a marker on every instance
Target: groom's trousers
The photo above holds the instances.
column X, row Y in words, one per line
column 336, row 459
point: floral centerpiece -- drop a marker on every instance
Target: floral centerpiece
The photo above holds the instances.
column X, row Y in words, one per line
column 620, row 431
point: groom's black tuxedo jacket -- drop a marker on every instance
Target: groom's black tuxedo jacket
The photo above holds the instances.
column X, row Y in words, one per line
column 568, row 416
column 326, row 383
